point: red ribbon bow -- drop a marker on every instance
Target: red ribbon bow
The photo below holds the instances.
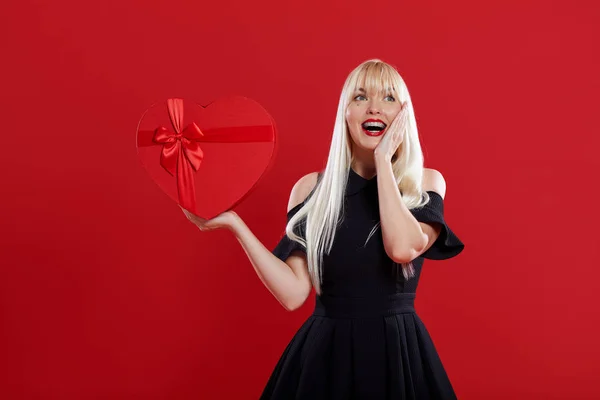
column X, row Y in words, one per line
column 181, row 154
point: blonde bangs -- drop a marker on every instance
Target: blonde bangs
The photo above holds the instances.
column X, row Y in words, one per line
column 376, row 76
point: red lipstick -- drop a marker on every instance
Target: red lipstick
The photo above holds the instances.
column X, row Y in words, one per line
column 373, row 133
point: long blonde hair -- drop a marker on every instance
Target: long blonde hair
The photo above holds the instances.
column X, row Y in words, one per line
column 324, row 207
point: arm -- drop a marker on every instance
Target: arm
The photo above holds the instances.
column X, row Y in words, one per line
column 288, row 281
column 404, row 237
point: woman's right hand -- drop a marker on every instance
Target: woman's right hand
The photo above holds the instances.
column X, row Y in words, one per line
column 223, row 220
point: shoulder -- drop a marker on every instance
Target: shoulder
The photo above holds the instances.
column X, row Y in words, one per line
column 302, row 189
column 433, row 180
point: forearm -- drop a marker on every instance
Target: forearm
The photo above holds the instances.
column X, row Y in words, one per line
column 275, row 274
column 402, row 234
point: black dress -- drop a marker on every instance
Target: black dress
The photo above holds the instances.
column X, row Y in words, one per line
column 364, row 339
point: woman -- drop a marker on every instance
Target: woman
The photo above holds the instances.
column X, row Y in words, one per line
column 358, row 232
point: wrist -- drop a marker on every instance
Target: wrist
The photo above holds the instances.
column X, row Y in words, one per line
column 236, row 223
column 382, row 160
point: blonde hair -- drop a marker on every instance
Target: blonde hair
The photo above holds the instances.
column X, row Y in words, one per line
column 324, row 207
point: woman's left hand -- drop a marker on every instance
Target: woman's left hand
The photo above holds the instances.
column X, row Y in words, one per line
column 394, row 135
column 224, row 220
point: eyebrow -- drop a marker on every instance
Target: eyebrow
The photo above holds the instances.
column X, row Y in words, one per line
column 363, row 90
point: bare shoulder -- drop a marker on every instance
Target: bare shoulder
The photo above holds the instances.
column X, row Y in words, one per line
column 302, row 189
column 434, row 180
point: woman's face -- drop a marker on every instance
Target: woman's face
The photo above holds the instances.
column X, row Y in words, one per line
column 369, row 114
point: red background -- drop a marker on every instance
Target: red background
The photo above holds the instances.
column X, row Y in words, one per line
column 108, row 291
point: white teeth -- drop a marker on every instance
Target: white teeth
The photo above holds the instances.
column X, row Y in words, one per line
column 371, row 123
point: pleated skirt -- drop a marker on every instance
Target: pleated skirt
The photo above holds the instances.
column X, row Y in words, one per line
column 360, row 348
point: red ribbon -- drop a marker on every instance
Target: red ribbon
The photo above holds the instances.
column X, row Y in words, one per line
column 181, row 154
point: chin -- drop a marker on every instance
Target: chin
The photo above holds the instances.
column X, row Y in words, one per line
column 370, row 140
column 366, row 142
column 369, row 145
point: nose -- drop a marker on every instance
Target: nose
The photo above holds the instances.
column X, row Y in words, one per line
column 373, row 108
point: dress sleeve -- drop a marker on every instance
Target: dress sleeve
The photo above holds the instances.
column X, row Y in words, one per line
column 286, row 245
column 447, row 244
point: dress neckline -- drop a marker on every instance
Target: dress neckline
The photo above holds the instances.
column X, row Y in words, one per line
column 352, row 171
column 356, row 183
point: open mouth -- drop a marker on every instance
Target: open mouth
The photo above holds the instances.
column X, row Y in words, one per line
column 373, row 128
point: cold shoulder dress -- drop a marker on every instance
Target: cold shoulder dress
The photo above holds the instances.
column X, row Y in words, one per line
column 364, row 339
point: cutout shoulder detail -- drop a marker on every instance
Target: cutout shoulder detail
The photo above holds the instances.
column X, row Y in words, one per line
column 302, row 189
column 447, row 245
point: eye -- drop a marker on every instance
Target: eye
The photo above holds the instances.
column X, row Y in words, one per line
column 389, row 96
column 359, row 97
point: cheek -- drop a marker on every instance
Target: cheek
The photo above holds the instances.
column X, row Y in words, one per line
column 348, row 113
column 394, row 112
column 351, row 123
column 351, row 115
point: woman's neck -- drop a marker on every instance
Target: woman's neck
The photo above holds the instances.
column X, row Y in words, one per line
column 365, row 169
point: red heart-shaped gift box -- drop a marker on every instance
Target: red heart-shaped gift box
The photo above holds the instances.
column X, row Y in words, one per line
column 207, row 158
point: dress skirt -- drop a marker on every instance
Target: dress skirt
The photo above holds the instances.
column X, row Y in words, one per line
column 360, row 348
